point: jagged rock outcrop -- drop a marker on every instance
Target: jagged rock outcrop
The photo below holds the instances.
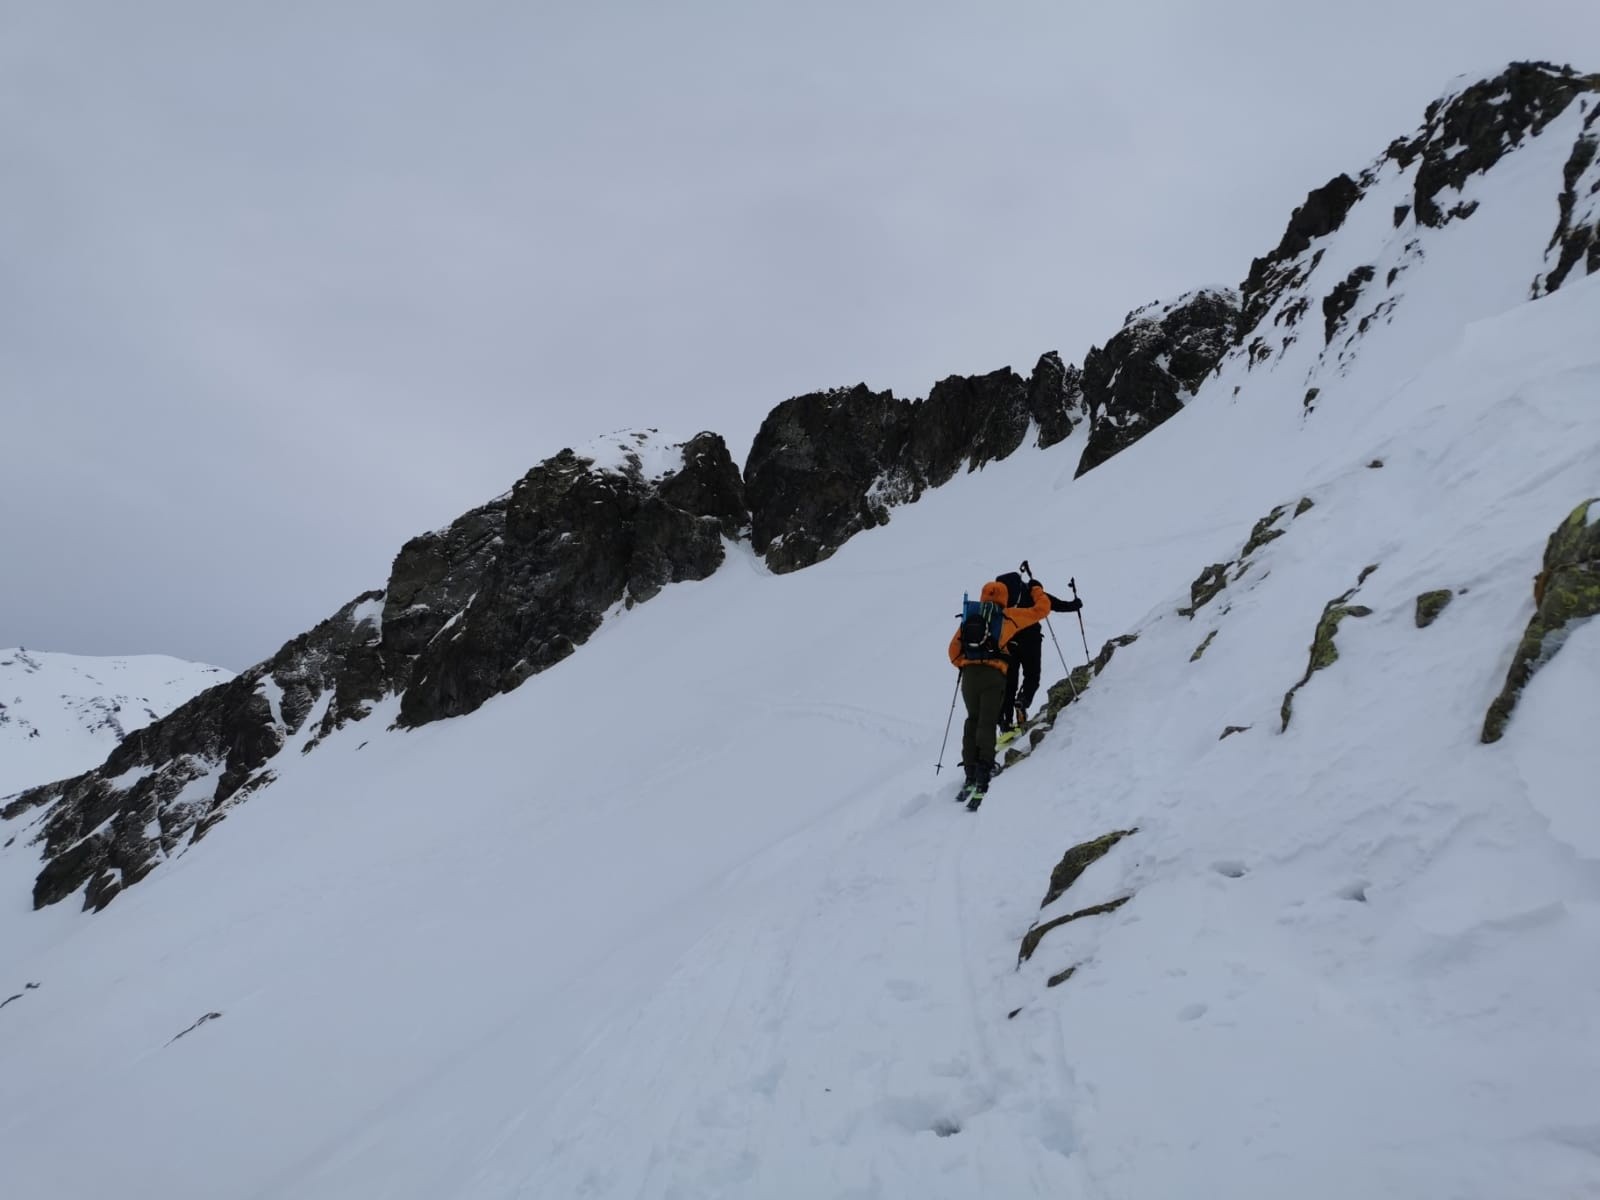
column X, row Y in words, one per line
column 1565, row 593
column 1055, row 399
column 167, row 783
column 470, row 611
column 825, row 466
column 1143, row 375
column 1468, row 133
column 1271, row 275
column 1576, row 242
column 1462, row 136
column 569, row 542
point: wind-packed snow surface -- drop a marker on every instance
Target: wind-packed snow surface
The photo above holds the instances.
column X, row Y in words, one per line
column 690, row 915
column 61, row 714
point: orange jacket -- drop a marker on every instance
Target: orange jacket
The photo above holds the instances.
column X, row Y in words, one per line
column 1012, row 622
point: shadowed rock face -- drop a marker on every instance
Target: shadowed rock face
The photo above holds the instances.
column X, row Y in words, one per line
column 1576, row 243
column 469, row 612
column 1272, row 274
column 1462, row 135
column 168, row 783
column 1145, row 373
column 825, row 466
column 1468, row 134
column 571, row 543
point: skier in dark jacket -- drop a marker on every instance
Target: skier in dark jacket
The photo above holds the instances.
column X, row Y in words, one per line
column 1025, row 649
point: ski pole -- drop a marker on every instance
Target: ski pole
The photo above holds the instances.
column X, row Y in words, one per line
column 1073, row 584
column 939, row 766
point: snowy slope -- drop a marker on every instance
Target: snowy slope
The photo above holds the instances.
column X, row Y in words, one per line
column 734, row 939
column 62, row 713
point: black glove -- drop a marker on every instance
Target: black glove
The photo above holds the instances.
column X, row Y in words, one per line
column 1072, row 605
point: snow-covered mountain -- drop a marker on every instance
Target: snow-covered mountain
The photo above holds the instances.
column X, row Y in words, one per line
column 1295, row 891
column 61, row 714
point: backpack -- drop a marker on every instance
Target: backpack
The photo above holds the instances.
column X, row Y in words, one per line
column 980, row 629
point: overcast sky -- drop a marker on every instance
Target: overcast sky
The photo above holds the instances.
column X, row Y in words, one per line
column 282, row 284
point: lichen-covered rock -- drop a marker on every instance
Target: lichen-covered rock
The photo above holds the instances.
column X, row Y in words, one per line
column 1566, row 593
column 825, row 466
column 1199, row 651
column 1145, row 374
column 1062, row 693
column 1078, row 860
column 1031, row 939
column 1263, row 531
column 1324, row 651
column 1211, row 581
column 1430, row 605
column 1205, row 587
column 470, row 611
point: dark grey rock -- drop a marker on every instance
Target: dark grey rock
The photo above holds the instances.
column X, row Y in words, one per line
column 1282, row 270
column 470, row 611
column 1145, row 373
column 825, row 466
column 822, row 468
column 1055, row 399
column 1469, row 133
column 1577, row 237
column 1430, row 605
column 1337, row 303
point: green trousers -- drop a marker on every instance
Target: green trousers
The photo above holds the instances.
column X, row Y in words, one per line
column 984, row 690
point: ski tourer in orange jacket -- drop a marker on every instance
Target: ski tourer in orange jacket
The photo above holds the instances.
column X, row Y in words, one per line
column 1012, row 622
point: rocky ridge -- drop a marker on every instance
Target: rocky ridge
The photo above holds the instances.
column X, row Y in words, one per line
column 469, row 611
column 825, row 466
column 516, row 585
column 1431, row 174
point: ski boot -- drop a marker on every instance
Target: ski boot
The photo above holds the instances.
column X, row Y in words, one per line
column 979, row 786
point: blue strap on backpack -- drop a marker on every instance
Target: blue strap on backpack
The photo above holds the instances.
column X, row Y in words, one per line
column 980, row 629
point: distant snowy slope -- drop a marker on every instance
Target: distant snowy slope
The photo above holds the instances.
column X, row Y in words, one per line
column 63, row 713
